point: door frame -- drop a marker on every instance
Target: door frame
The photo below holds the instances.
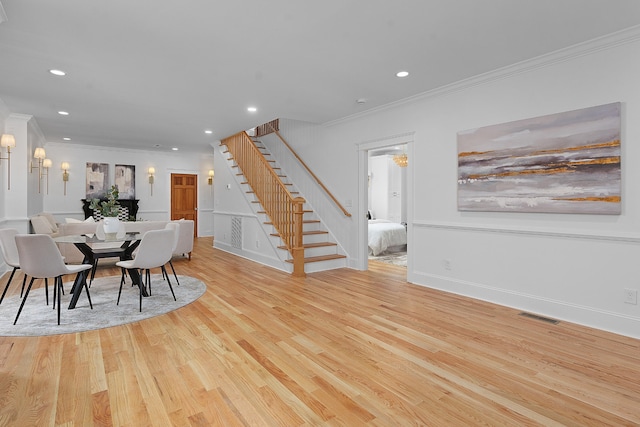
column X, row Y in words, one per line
column 363, row 193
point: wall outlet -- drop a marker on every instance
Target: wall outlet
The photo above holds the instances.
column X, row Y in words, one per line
column 631, row 296
column 446, row 263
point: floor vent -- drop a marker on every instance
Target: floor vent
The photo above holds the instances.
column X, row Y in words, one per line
column 541, row 318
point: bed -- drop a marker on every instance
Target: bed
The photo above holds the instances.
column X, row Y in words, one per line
column 384, row 234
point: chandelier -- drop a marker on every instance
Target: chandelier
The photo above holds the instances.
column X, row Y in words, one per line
column 401, row 160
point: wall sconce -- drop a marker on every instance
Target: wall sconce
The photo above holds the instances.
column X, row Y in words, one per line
column 8, row 141
column 152, row 172
column 40, row 155
column 65, row 175
column 46, row 164
column 210, row 179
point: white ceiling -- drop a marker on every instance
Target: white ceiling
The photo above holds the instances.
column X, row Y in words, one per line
column 147, row 72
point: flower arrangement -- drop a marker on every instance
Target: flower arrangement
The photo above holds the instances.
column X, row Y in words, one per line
column 109, row 207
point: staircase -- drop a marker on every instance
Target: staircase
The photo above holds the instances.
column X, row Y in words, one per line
column 300, row 233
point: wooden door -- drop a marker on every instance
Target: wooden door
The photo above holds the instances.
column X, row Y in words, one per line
column 184, row 198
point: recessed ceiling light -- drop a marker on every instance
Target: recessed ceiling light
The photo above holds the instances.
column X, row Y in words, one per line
column 175, row 148
column 361, row 101
column 208, row 132
column 252, row 109
column 402, row 73
column 66, row 138
column 57, row 72
column 63, row 113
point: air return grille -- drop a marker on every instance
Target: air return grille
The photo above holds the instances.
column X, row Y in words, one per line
column 236, row 232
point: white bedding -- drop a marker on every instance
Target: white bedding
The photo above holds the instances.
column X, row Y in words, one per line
column 384, row 234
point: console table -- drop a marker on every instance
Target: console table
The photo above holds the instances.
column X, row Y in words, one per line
column 130, row 204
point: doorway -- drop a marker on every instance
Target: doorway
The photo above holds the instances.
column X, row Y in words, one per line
column 399, row 211
column 184, row 198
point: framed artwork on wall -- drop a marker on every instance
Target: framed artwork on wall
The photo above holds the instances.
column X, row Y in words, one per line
column 97, row 180
column 560, row 163
column 125, row 180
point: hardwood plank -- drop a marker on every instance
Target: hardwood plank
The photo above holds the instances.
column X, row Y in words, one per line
column 337, row 348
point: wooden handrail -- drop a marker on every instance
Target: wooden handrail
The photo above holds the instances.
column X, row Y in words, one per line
column 326, row 190
column 284, row 211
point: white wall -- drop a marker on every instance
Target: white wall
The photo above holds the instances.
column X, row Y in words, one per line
column 570, row 267
column 151, row 207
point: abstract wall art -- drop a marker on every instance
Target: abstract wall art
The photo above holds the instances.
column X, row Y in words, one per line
column 97, row 180
column 560, row 163
column 125, row 180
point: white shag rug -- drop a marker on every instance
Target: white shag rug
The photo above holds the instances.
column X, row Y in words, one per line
column 39, row 319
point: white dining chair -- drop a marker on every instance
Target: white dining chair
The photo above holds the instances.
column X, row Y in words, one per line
column 10, row 256
column 155, row 250
column 40, row 258
column 109, row 251
column 176, row 234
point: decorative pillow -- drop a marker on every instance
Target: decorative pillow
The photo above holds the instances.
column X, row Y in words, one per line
column 51, row 220
column 41, row 225
column 77, row 221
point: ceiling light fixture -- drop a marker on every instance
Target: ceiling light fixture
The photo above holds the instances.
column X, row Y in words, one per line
column 63, row 113
column 57, row 72
column 175, row 148
column 401, row 160
column 402, row 73
column 208, row 132
column 66, row 138
column 252, row 109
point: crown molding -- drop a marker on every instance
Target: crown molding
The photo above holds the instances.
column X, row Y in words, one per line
column 609, row 41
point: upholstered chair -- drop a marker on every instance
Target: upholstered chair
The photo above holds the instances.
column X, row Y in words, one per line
column 40, row 258
column 10, row 255
column 155, row 250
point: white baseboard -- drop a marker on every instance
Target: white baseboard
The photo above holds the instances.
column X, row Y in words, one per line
column 560, row 310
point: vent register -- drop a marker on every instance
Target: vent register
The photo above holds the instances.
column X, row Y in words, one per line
column 236, row 232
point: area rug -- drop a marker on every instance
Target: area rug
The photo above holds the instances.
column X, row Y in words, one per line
column 38, row 319
column 395, row 258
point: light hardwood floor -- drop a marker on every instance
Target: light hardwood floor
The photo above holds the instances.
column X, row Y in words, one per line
column 339, row 348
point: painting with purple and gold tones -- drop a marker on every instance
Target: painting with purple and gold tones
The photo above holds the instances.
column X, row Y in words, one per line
column 560, row 163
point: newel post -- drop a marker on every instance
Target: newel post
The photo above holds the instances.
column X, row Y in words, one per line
column 297, row 251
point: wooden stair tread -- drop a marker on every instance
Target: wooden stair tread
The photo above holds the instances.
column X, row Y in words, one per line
column 304, row 221
column 305, row 233
column 320, row 258
column 313, row 245
column 304, row 211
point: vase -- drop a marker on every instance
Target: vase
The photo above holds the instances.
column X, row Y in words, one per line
column 111, row 225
